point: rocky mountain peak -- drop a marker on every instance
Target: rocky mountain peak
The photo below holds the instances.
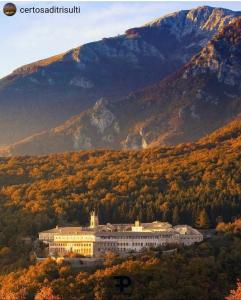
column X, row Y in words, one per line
column 203, row 19
column 100, row 104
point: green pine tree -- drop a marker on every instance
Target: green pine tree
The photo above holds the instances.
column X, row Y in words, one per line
column 176, row 216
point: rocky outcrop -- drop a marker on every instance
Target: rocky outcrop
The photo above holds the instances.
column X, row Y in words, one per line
column 81, row 82
column 80, row 140
column 221, row 57
column 102, row 118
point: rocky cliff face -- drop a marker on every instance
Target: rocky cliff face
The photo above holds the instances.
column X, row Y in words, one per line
column 95, row 128
column 41, row 95
column 220, row 57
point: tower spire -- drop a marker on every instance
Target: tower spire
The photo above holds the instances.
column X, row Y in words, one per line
column 94, row 220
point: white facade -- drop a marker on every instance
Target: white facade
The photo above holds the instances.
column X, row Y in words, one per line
column 95, row 240
column 188, row 235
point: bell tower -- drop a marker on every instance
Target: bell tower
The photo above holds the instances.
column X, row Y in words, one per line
column 94, row 220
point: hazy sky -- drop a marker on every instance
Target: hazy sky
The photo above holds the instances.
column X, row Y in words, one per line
column 29, row 37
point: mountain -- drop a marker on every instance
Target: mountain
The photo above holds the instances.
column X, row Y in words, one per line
column 42, row 95
column 202, row 96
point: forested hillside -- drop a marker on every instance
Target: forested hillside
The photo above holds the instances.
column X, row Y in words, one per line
column 197, row 184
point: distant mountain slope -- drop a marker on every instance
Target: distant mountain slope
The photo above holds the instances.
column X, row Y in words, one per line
column 147, row 183
column 41, row 95
column 229, row 132
column 202, row 96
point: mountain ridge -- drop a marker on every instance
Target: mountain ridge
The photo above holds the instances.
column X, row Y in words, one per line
column 42, row 95
column 185, row 106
